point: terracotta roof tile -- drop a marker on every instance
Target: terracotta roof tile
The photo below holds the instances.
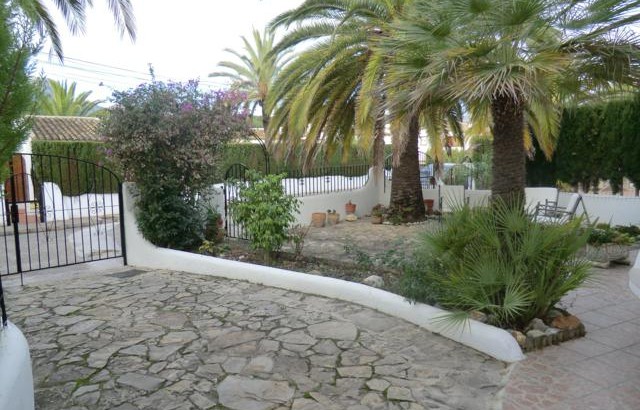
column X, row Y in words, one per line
column 51, row 128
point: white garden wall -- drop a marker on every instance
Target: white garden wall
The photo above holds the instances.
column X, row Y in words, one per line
column 617, row 210
column 634, row 277
column 16, row 379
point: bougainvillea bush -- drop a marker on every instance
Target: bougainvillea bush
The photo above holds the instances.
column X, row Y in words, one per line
column 167, row 138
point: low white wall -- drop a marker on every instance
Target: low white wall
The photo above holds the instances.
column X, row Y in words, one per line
column 634, row 277
column 16, row 379
column 488, row 339
column 477, row 197
column 365, row 199
column 617, row 210
column 82, row 206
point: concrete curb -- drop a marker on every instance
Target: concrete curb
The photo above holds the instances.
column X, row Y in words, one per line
column 485, row 338
column 634, row 277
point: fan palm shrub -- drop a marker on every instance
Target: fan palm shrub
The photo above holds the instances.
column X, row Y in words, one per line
column 496, row 260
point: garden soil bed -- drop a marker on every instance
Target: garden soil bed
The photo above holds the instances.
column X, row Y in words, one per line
column 240, row 250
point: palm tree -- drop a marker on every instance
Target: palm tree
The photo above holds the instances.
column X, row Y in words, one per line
column 60, row 99
column 255, row 70
column 517, row 63
column 331, row 96
column 74, row 13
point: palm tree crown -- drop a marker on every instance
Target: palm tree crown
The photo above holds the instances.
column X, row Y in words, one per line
column 74, row 13
column 516, row 62
column 331, row 92
column 61, row 99
column 255, row 69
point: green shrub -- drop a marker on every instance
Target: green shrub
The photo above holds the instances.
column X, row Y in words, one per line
column 632, row 230
column 603, row 233
column 169, row 219
column 497, row 261
column 166, row 137
column 265, row 211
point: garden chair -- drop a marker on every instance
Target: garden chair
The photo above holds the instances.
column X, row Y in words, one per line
column 550, row 212
column 543, row 195
column 450, row 197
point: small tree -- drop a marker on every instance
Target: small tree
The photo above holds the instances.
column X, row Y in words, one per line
column 167, row 137
column 265, row 211
column 16, row 87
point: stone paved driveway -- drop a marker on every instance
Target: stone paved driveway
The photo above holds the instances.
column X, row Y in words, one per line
column 168, row 340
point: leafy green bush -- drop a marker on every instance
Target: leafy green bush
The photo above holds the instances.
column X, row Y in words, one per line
column 604, row 233
column 168, row 219
column 265, row 211
column 166, row 137
column 632, row 230
column 497, row 261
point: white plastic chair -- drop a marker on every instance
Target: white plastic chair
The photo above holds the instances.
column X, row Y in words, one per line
column 540, row 195
column 549, row 213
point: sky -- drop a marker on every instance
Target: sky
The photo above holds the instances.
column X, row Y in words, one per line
column 182, row 40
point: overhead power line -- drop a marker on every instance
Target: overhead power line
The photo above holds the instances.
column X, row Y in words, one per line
column 84, row 69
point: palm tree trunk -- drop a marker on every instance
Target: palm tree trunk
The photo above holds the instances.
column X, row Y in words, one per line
column 265, row 118
column 509, row 167
column 406, row 191
column 378, row 149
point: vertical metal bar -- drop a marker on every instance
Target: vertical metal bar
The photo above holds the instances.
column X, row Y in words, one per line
column 81, row 220
column 95, row 187
column 4, row 232
column 123, row 241
column 55, row 211
column 104, row 212
column 14, row 219
column 2, row 306
column 86, row 180
column 64, row 219
column 73, row 216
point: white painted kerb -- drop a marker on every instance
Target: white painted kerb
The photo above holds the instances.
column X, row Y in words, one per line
column 634, row 277
column 488, row 339
column 16, row 380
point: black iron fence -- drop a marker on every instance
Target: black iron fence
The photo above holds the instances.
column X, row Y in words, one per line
column 473, row 175
column 324, row 180
column 316, row 181
column 59, row 211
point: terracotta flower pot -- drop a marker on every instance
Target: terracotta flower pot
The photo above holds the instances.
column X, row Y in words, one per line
column 318, row 219
column 350, row 208
column 376, row 219
column 428, row 203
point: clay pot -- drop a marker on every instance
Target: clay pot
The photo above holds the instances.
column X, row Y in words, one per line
column 318, row 219
column 350, row 208
column 377, row 219
column 428, row 203
column 333, row 219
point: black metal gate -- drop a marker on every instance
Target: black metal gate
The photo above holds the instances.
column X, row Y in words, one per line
column 59, row 211
column 235, row 174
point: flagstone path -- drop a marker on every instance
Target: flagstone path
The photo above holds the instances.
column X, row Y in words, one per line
column 170, row 340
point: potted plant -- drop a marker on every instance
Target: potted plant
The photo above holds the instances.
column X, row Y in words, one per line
column 377, row 214
column 428, row 203
column 350, row 208
column 607, row 244
column 318, row 219
column 332, row 217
